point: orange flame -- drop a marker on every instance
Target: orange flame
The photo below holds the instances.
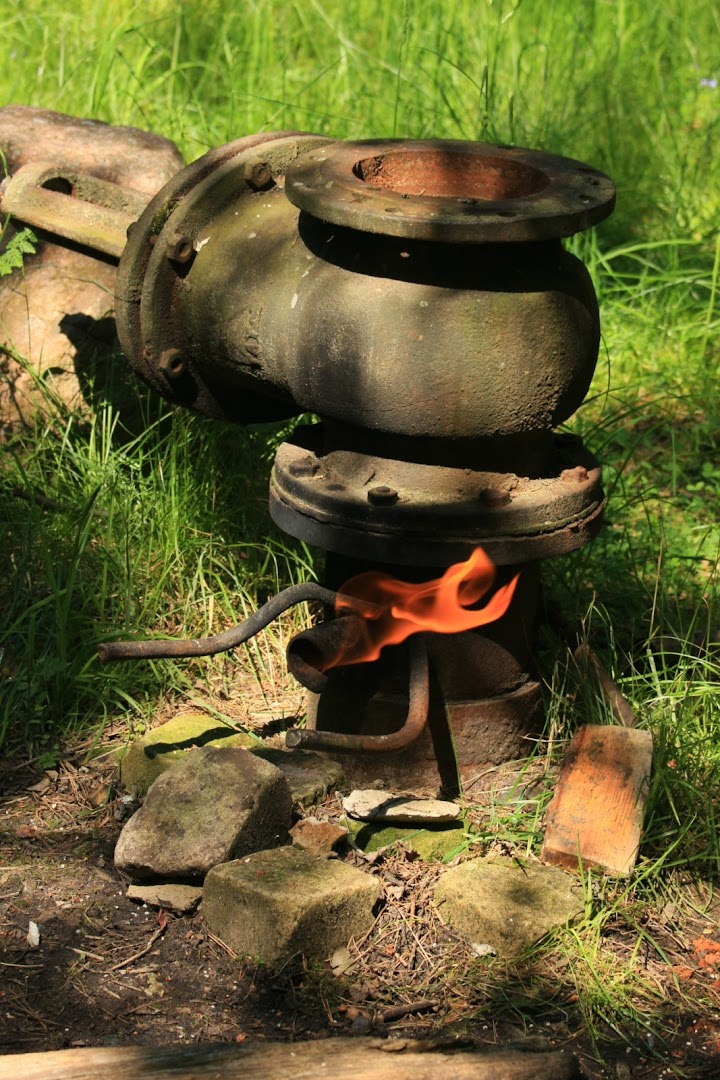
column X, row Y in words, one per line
column 441, row 605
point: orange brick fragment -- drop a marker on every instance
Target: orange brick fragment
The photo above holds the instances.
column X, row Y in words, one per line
column 595, row 817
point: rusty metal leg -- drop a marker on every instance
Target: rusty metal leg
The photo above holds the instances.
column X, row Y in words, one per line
column 419, row 688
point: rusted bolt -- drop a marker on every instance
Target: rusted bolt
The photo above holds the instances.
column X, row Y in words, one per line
column 173, row 363
column 494, row 496
column 303, row 467
column 382, row 495
column 578, row 475
column 179, row 248
column 257, row 174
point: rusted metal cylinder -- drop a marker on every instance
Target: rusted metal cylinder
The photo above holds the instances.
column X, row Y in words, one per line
column 414, row 295
column 415, row 290
column 312, row 652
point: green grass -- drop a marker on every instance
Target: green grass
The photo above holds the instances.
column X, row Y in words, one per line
column 110, row 537
column 154, row 533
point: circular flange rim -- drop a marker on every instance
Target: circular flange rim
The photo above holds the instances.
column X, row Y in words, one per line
column 327, row 185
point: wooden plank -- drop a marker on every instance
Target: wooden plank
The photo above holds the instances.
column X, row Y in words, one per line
column 596, row 814
column 334, row 1059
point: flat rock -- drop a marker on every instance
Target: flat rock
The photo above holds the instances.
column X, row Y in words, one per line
column 157, row 750
column 431, row 845
column 310, row 776
column 318, row 838
column 505, row 905
column 371, row 805
column 216, row 804
column 276, row 904
column 179, row 898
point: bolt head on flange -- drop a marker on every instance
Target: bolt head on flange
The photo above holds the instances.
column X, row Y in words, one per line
column 173, row 363
column 179, row 249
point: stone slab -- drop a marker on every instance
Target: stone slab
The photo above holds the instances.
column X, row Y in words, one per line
column 596, row 815
column 276, row 904
column 180, row 898
column 310, row 776
column 164, row 746
column 431, row 845
column 217, row 804
column 373, row 805
column 507, row 905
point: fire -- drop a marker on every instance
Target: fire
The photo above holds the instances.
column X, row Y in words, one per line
column 443, row 605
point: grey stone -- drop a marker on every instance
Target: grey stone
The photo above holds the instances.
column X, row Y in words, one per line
column 179, row 898
column 371, row 805
column 505, row 905
column 310, row 776
column 218, row 803
column 278, row 903
column 481, row 948
column 157, row 750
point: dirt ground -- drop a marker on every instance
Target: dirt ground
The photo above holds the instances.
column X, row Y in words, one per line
column 107, row 971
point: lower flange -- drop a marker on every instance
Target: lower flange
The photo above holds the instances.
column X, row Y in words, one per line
column 413, row 513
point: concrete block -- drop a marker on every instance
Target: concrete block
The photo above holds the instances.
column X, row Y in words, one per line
column 500, row 903
column 278, row 903
column 179, row 898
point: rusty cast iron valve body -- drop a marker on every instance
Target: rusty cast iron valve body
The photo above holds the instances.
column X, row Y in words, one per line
column 416, row 297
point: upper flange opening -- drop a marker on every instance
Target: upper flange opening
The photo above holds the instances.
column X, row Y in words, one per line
column 458, row 192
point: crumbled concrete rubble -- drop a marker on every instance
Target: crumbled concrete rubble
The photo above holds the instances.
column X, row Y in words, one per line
column 217, row 804
column 318, row 838
column 182, row 899
column 276, row 904
column 506, row 905
column 225, row 812
column 371, row 805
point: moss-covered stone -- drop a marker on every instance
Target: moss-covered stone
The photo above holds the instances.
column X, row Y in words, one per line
column 157, row 750
column 310, row 776
column 278, row 903
column 507, row 905
column 430, row 844
column 217, row 804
